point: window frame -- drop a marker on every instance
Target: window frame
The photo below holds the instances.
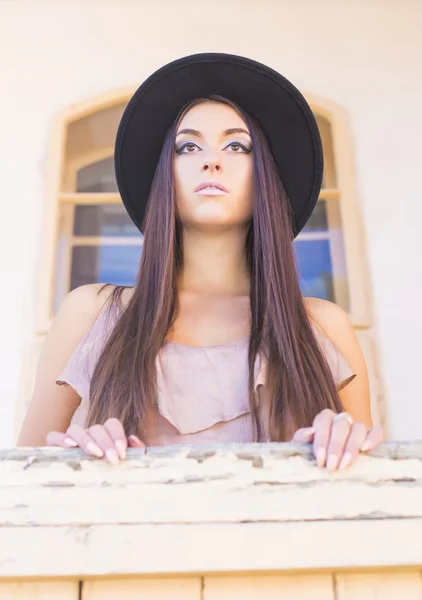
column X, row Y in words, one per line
column 59, row 173
column 69, row 200
column 332, row 197
column 358, row 276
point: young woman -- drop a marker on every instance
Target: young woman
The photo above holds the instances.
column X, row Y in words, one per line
column 215, row 342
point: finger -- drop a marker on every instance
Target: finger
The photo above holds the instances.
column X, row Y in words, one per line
column 104, row 441
column 58, row 438
column 339, row 436
column 322, row 424
column 356, row 437
column 115, row 429
column 84, row 440
column 304, row 435
column 135, row 442
column 374, row 437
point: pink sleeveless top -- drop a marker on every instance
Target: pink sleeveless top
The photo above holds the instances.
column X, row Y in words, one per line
column 202, row 391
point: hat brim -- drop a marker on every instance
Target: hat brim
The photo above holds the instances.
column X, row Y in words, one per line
column 279, row 108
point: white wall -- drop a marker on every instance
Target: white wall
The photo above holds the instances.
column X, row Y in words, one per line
column 365, row 55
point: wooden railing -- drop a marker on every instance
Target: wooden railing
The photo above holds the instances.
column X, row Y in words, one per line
column 225, row 523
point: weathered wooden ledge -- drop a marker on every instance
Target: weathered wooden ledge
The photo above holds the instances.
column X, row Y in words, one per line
column 196, row 513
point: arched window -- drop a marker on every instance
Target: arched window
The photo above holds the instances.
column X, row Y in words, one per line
column 96, row 239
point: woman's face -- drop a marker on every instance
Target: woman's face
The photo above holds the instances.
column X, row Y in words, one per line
column 213, row 149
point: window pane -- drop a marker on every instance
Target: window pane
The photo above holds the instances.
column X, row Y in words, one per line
column 103, row 220
column 315, row 268
column 318, row 220
column 97, row 178
column 108, row 264
column 88, row 138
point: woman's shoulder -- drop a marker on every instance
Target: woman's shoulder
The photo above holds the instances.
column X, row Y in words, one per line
column 85, row 320
column 332, row 323
column 329, row 318
column 86, row 311
column 87, row 302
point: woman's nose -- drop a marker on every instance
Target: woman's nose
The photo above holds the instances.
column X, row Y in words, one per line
column 211, row 165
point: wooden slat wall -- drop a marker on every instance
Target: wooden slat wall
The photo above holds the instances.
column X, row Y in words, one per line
column 353, row 586
column 379, row 586
column 182, row 588
column 277, row 587
column 39, row 590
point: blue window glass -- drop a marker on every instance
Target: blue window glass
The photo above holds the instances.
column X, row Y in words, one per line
column 315, row 268
column 103, row 220
column 318, row 220
column 105, row 264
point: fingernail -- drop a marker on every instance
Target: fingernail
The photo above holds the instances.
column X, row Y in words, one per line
column 94, row 449
column 121, row 449
column 71, row 443
column 136, row 439
column 303, row 435
column 112, row 456
column 367, row 445
column 332, row 462
column 321, row 456
column 345, row 461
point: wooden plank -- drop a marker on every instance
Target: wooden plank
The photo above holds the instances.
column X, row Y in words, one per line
column 39, row 590
column 206, row 502
column 391, row 450
column 247, row 463
column 185, row 588
column 90, row 199
column 379, row 586
column 51, row 487
column 279, row 587
column 105, row 550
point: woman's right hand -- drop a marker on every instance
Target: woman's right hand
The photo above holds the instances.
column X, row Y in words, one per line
column 107, row 441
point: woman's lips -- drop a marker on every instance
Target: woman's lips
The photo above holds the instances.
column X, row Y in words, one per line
column 211, row 190
column 211, row 187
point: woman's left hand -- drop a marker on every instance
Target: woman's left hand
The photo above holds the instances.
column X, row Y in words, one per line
column 337, row 440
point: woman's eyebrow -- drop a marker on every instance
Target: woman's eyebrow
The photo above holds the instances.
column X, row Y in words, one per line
column 197, row 133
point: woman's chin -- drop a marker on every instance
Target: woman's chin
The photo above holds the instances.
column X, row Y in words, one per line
column 212, row 216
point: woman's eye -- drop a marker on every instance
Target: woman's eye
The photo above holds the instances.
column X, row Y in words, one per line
column 189, row 147
column 237, row 147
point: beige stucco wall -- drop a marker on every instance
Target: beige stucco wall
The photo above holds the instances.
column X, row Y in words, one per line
column 365, row 55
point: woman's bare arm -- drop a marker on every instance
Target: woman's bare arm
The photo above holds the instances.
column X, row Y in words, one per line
column 335, row 323
column 52, row 406
column 338, row 439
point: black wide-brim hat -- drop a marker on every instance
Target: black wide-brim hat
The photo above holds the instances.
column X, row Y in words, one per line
column 279, row 108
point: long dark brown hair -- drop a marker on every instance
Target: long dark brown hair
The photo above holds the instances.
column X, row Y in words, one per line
column 299, row 381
